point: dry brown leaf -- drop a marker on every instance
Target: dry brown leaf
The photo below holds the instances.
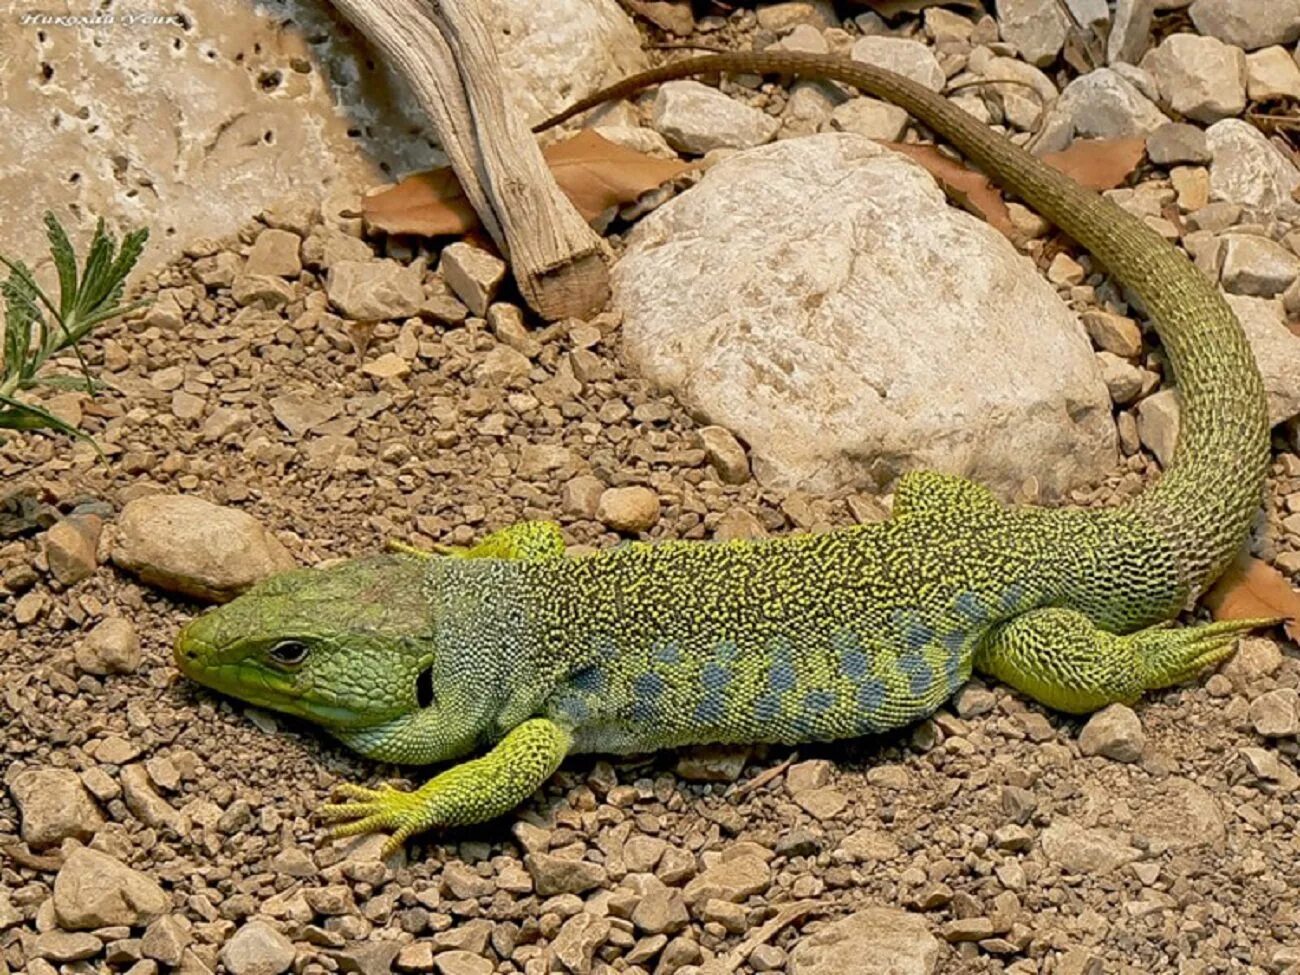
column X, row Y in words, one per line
column 1250, row 589
column 593, row 172
column 971, row 189
column 1099, row 164
column 892, row 8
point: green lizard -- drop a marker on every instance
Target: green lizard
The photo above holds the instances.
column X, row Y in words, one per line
column 514, row 648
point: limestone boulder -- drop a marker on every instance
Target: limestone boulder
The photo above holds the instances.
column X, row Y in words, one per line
column 820, row 299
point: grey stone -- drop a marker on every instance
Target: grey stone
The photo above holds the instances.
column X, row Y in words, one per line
column 563, row 875
column 1036, row 27
column 1130, row 32
column 1277, row 351
column 1199, row 77
column 869, row 117
column 1248, row 24
column 1256, row 266
column 111, row 647
column 744, row 345
column 1175, row 143
column 1247, row 170
column 904, row 56
column 1276, row 714
column 1158, row 424
column 695, row 118
column 1272, row 74
column 1113, row 732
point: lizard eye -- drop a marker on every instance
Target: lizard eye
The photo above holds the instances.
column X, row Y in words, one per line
column 289, row 653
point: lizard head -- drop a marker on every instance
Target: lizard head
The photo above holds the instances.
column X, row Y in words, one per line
column 347, row 647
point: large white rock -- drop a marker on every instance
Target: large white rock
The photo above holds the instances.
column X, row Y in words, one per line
column 1199, row 77
column 1101, row 104
column 820, row 299
column 1246, row 169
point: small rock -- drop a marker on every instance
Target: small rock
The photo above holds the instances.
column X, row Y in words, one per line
column 1036, row 27
column 166, row 939
column 1276, row 714
column 967, row 929
column 462, row 963
column 629, row 509
column 1176, row 143
column 1082, row 850
column 696, row 118
column 912, row 59
column 94, row 890
column 1271, row 74
column 1113, row 333
column 507, row 324
column 1248, row 24
column 473, row 274
column 275, row 254
column 1199, row 77
column 145, row 804
column 578, row 941
column 1254, row 265
column 712, row 763
column 1247, row 169
column 731, row 880
column 822, row 804
column 187, row 545
column 259, row 289
column 739, row 523
column 726, row 454
column 1123, row 379
column 869, row 845
column 374, row 290
column 70, row 547
column 390, row 365
column 257, row 949
column 112, row 647
column 869, row 117
column 563, row 875
column 53, row 806
column 65, row 946
column 875, row 941
column 660, row 910
column 1113, row 732
column 1158, row 424
column 301, row 412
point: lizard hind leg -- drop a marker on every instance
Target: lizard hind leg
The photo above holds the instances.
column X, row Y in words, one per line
column 1060, row 658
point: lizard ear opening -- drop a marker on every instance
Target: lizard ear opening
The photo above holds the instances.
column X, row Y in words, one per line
column 424, row 687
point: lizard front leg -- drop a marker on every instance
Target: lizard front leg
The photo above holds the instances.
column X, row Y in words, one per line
column 471, row 792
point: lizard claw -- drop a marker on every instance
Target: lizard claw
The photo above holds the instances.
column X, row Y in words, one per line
column 373, row 810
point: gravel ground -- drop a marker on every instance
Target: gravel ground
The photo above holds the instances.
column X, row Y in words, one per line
column 995, row 837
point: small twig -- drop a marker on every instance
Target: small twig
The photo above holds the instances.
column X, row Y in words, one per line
column 763, row 778
column 784, row 917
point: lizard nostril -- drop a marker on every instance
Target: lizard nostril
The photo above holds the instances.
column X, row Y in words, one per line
column 424, row 688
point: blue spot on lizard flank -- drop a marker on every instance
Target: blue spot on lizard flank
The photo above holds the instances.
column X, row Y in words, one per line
column 766, row 708
column 1013, row 597
column 668, row 653
column 952, row 671
column 646, row 691
column 919, row 676
column 854, row 664
column 726, row 651
column 711, row 709
column 871, row 697
column 589, row 680
column 818, row 701
column 953, row 641
column 714, row 676
column 782, row 676
column 575, row 709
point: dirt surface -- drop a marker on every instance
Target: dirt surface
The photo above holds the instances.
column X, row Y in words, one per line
column 1024, row 846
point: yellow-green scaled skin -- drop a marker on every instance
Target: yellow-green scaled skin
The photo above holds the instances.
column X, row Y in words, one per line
column 514, row 647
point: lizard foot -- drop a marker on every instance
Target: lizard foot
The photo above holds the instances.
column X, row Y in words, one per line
column 373, row 810
column 402, row 548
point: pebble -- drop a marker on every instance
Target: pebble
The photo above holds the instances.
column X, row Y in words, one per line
column 70, row 547
column 1176, row 143
column 1037, row 28
column 473, row 274
column 873, row 941
column 1201, row 78
column 904, row 56
column 111, row 647
column 275, row 253
column 462, row 963
column 53, row 805
column 257, row 949
column 732, row 880
column 94, row 890
column 629, row 509
column 1113, row 333
column 1247, row 169
column 1272, row 74
column 1276, row 714
column 868, row 117
column 374, row 290
column 696, row 118
column 184, row 544
column 1080, row 849
column 725, row 454
column 1114, row 732
column 1158, row 424
column 1257, row 266
column 65, row 946
column 1249, row 24
column 563, row 875
column 579, row 939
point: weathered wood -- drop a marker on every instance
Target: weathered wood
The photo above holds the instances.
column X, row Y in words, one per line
column 446, row 55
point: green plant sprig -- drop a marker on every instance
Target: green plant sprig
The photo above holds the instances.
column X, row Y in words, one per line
column 36, row 328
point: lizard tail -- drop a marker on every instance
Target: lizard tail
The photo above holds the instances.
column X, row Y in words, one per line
column 1203, row 506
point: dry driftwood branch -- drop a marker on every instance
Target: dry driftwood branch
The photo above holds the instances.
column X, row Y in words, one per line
column 446, row 55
